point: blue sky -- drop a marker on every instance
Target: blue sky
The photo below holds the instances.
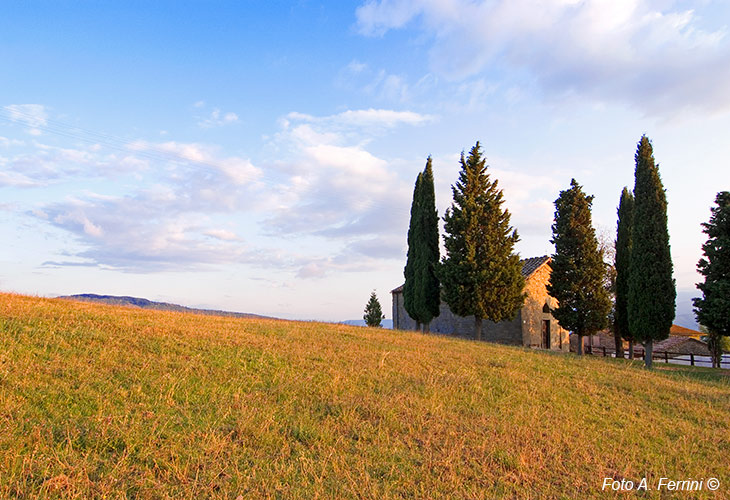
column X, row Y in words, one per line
column 260, row 156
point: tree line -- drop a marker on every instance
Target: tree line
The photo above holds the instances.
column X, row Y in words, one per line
column 480, row 273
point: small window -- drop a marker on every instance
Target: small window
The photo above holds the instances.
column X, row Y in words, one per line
column 546, row 308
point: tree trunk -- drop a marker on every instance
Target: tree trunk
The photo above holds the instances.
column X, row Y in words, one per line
column 418, row 326
column 426, row 327
column 648, row 352
column 631, row 349
column 715, row 347
column 478, row 328
column 619, row 345
column 580, row 345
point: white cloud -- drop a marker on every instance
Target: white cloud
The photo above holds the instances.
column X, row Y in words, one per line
column 649, row 54
column 356, row 66
column 348, row 261
column 142, row 234
column 379, row 84
column 222, row 234
column 337, row 188
column 15, row 179
column 427, row 92
column 365, row 118
column 163, row 223
column 325, row 183
column 6, row 143
column 42, row 164
column 388, row 86
column 239, row 170
column 218, row 119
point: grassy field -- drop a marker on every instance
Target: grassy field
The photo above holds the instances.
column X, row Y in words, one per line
column 110, row 402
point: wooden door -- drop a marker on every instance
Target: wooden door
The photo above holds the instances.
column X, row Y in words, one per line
column 546, row 334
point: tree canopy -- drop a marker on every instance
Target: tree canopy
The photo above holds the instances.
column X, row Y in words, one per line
column 578, row 270
column 623, row 261
column 414, row 232
column 373, row 312
column 713, row 308
column 652, row 292
column 480, row 273
column 421, row 291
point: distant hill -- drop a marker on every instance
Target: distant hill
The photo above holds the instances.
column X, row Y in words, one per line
column 149, row 304
column 685, row 315
column 386, row 323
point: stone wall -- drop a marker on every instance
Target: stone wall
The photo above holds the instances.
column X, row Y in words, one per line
column 525, row 329
column 533, row 314
column 447, row 323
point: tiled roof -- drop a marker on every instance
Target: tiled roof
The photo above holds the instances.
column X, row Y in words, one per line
column 529, row 266
column 670, row 344
column 532, row 264
column 675, row 343
column 684, row 332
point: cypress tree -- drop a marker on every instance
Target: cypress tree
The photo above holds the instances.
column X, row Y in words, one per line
column 623, row 260
column 414, row 243
column 373, row 312
column 652, row 292
column 428, row 289
column 480, row 273
column 713, row 308
column 578, row 270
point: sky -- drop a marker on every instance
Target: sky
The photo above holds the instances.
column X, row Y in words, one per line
column 260, row 156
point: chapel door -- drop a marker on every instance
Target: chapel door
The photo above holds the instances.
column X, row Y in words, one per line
column 546, row 334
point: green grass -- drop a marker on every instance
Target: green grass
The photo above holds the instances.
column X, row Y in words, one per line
column 109, row 402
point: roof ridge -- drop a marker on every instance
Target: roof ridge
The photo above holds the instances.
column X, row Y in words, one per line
column 529, row 266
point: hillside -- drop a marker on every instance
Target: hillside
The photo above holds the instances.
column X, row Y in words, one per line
column 102, row 401
column 116, row 300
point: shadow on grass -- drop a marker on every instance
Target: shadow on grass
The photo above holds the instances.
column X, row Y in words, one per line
column 703, row 373
column 721, row 376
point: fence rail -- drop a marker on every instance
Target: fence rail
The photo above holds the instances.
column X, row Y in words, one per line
column 679, row 358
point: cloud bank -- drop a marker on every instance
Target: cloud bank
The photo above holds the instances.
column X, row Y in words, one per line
column 652, row 55
column 182, row 205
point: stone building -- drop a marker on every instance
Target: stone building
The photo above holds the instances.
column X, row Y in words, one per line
column 681, row 341
column 534, row 325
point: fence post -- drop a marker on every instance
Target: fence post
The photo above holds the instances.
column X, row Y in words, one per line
column 691, row 359
column 643, row 354
column 604, row 351
column 666, row 357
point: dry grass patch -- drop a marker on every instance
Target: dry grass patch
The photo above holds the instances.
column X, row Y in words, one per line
column 110, row 402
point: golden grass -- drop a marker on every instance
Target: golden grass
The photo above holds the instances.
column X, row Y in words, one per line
column 111, row 402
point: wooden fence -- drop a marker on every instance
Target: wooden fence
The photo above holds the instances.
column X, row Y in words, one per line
column 679, row 358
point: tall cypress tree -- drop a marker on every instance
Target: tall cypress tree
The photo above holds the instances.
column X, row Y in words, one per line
column 713, row 309
column 414, row 242
column 480, row 273
column 578, row 270
column 428, row 289
column 652, row 291
column 623, row 261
